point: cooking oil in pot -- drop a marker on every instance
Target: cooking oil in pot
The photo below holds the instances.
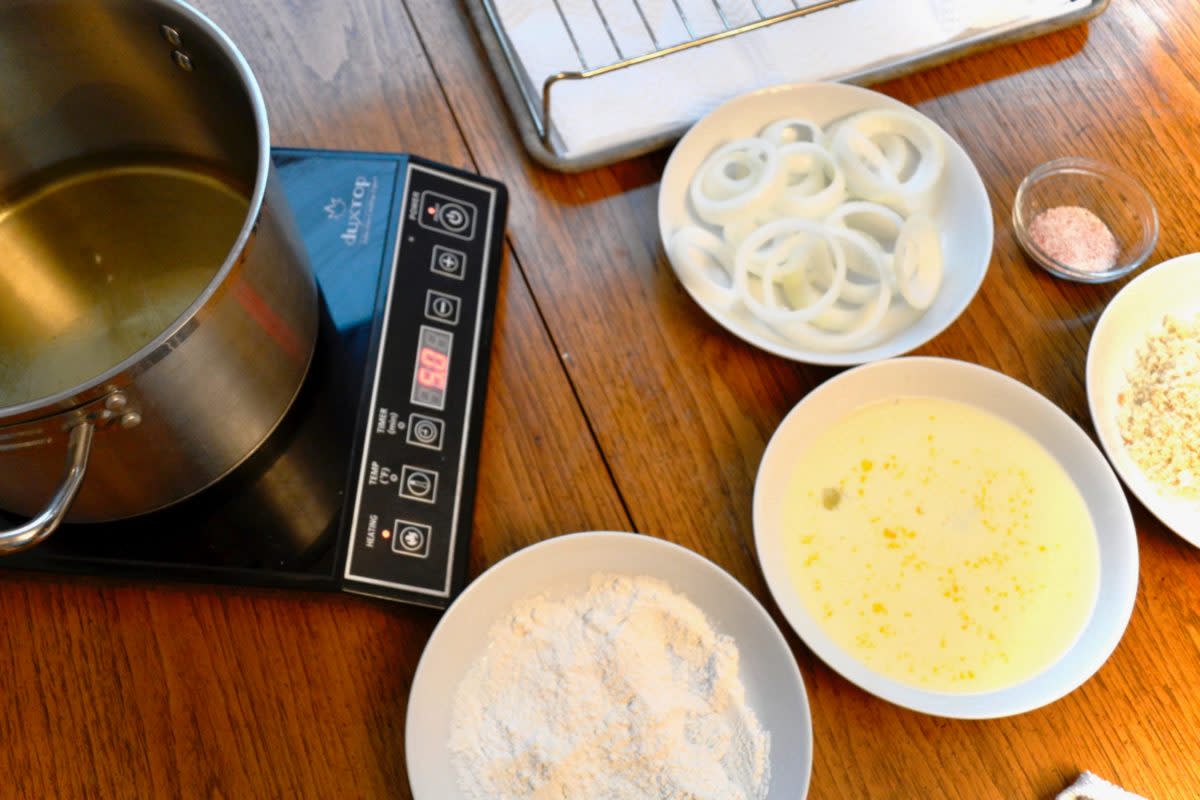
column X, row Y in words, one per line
column 96, row 262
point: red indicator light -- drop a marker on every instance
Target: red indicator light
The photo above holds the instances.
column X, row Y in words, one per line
column 432, row 210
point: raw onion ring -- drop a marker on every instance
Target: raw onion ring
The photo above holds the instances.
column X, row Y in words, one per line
column 876, row 268
column 756, row 196
column 840, row 328
column 840, row 217
column 895, row 149
column 919, row 262
column 854, row 139
column 694, row 274
column 777, row 132
column 736, row 232
column 796, row 201
column 777, row 252
column 860, row 150
column 792, row 232
column 887, row 154
column 720, row 185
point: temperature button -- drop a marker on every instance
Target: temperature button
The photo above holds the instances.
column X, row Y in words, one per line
column 411, row 539
column 417, row 483
column 424, row 431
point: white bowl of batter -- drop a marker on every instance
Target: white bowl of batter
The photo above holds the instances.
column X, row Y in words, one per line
column 945, row 538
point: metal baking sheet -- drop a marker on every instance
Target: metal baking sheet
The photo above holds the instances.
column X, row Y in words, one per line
column 526, row 108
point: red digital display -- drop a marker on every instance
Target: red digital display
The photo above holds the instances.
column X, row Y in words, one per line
column 432, row 368
column 431, row 373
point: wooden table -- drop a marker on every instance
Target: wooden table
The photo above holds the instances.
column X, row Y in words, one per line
column 615, row 403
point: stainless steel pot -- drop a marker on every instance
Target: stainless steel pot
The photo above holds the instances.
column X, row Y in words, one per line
column 125, row 89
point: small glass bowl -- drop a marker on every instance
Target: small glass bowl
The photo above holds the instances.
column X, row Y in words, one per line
column 1109, row 193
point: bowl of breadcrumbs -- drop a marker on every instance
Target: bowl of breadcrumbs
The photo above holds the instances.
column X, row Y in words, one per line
column 1143, row 384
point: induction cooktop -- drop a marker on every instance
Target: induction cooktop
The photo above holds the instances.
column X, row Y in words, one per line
column 368, row 484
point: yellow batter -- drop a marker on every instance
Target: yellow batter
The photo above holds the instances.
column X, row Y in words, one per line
column 940, row 545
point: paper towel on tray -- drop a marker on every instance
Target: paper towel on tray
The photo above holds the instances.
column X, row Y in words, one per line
column 661, row 96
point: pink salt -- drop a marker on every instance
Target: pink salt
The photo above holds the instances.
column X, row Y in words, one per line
column 1076, row 237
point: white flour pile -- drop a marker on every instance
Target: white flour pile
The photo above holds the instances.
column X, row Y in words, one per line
column 624, row 692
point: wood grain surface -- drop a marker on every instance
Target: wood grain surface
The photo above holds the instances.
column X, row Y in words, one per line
column 615, row 403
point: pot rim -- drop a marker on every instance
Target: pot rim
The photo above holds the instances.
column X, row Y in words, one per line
column 125, row 371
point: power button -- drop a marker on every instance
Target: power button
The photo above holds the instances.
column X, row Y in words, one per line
column 448, row 215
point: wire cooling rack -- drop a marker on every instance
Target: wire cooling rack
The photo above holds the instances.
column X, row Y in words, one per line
column 533, row 109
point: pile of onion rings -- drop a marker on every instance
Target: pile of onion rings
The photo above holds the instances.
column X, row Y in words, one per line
column 817, row 232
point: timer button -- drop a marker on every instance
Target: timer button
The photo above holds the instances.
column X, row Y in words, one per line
column 425, row 431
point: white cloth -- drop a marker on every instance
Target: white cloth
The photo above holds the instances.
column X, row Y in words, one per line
column 1090, row 787
column 664, row 95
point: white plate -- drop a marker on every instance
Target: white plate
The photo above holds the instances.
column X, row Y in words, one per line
column 1020, row 406
column 1172, row 287
column 961, row 211
column 773, row 684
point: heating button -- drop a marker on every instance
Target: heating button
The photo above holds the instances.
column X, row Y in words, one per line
column 411, row 539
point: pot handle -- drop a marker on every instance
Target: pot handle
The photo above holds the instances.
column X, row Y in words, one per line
column 79, row 446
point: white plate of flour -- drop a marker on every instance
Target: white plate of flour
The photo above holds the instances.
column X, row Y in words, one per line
column 600, row 665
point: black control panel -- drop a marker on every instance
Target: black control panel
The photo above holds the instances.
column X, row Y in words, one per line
column 412, row 482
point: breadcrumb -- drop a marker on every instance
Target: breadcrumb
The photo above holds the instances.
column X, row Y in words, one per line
column 1159, row 412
